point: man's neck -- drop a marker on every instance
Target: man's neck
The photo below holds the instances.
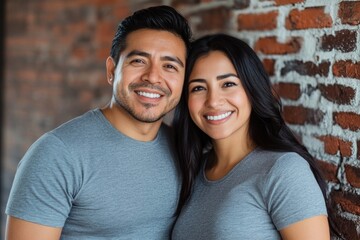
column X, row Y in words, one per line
column 129, row 126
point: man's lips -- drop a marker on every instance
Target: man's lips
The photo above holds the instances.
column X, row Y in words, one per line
column 148, row 94
column 149, row 90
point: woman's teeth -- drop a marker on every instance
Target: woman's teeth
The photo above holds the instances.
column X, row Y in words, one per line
column 218, row 117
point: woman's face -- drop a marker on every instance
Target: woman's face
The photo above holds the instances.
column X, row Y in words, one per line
column 217, row 100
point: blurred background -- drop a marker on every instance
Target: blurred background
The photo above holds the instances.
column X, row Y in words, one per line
column 52, row 66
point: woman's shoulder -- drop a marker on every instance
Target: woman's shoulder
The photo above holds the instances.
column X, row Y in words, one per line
column 275, row 161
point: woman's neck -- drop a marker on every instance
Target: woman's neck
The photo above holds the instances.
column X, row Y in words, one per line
column 226, row 154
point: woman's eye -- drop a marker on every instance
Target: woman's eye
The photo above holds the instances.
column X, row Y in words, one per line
column 229, row 84
column 197, row 89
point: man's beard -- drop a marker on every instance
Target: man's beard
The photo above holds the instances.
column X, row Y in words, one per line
column 139, row 117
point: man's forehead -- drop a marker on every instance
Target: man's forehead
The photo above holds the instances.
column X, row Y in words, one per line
column 152, row 37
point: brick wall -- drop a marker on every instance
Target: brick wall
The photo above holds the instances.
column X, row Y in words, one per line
column 55, row 70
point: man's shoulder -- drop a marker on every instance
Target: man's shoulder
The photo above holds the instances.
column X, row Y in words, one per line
column 78, row 123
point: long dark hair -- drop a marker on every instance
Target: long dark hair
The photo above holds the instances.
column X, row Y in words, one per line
column 267, row 127
column 161, row 17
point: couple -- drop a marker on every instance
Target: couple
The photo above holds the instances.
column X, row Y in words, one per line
column 114, row 173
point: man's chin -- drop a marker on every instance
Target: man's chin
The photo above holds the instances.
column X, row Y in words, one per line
column 148, row 119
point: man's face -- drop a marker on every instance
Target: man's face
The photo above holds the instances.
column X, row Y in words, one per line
column 150, row 74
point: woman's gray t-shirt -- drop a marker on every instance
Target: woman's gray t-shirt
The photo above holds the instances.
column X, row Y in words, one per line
column 262, row 194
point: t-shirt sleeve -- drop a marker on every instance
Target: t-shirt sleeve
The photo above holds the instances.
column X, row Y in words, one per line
column 44, row 184
column 292, row 192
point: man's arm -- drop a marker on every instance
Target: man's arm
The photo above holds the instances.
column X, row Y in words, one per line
column 17, row 229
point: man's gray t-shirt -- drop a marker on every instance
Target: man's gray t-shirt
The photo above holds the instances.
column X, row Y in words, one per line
column 262, row 194
column 97, row 183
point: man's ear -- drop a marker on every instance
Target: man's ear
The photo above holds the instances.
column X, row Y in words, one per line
column 110, row 70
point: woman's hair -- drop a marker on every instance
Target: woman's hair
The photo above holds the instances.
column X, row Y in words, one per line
column 267, row 127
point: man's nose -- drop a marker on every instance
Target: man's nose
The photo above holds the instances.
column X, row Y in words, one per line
column 152, row 74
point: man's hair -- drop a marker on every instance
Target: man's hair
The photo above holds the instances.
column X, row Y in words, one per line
column 163, row 18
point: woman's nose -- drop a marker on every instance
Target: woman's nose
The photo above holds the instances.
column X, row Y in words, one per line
column 214, row 98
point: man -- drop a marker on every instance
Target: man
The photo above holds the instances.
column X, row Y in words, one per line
column 111, row 173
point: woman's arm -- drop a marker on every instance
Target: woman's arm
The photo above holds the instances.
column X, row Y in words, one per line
column 314, row 228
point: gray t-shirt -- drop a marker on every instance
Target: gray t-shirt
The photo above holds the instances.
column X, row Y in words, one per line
column 262, row 194
column 97, row 183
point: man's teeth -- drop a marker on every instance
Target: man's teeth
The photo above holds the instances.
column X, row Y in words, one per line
column 219, row 117
column 149, row 95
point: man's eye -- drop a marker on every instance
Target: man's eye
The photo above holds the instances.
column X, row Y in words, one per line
column 169, row 66
column 137, row 61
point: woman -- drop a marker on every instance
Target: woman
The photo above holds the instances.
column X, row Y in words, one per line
column 248, row 176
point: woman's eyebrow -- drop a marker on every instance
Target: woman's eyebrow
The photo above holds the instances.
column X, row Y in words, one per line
column 197, row 80
column 220, row 77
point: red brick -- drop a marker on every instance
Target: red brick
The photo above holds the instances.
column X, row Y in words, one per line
column 333, row 145
column 347, row 120
column 349, row 12
column 301, row 115
column 269, row 45
column 344, row 41
column 353, row 176
column 306, row 68
column 337, row 93
column 269, row 65
column 346, row 69
column 102, row 52
column 260, row 21
column 102, row 3
column 183, row 4
column 213, row 19
column 122, row 11
column 241, row 4
column 348, row 202
column 309, row 18
column 286, row 2
column 328, row 170
column 27, row 75
column 104, row 31
column 288, row 90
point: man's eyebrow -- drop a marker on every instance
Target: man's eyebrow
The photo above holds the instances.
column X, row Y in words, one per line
column 164, row 58
column 138, row 53
column 173, row 59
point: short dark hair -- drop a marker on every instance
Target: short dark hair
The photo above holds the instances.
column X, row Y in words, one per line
column 158, row 18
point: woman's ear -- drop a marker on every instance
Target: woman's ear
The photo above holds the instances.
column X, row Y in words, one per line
column 110, row 70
